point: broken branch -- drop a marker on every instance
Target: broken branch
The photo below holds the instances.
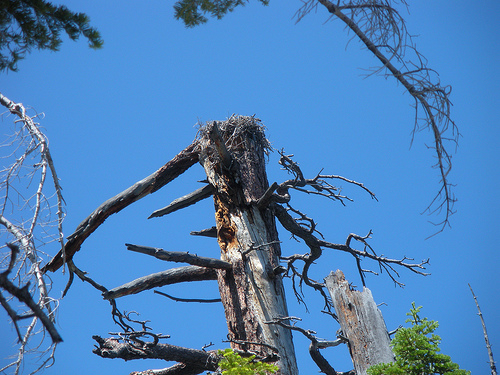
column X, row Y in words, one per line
column 175, row 167
column 155, row 280
column 185, row 201
column 182, row 257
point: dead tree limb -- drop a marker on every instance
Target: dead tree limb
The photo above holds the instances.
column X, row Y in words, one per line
column 159, row 279
column 185, row 201
column 316, row 344
column 180, row 257
column 175, row 167
column 199, row 300
column 24, row 296
column 383, row 32
column 361, row 323
column 209, row 232
column 493, row 366
column 114, row 348
column 31, row 216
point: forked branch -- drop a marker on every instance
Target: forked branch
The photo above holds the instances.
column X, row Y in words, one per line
column 31, row 216
column 316, row 344
column 383, row 32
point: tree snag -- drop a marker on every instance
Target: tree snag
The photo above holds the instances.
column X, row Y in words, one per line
column 361, row 323
column 233, row 156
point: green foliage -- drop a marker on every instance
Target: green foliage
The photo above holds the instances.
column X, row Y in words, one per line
column 28, row 24
column 417, row 352
column 234, row 364
column 192, row 12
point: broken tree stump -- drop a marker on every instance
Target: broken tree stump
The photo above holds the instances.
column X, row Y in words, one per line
column 361, row 322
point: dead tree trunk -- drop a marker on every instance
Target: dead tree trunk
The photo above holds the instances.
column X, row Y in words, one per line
column 361, row 323
column 233, row 156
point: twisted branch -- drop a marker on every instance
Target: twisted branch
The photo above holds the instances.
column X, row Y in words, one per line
column 383, row 32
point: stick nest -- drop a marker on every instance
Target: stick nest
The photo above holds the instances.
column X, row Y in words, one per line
column 235, row 130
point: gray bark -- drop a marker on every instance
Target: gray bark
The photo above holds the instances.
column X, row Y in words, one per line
column 251, row 292
column 361, row 323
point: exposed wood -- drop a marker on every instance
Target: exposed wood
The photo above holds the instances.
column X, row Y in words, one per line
column 210, row 232
column 185, row 201
column 181, row 257
column 361, row 323
column 175, row 167
column 251, row 293
column 493, row 366
column 155, row 280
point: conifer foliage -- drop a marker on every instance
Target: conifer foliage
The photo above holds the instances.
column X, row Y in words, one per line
column 28, row 24
column 417, row 351
column 192, row 12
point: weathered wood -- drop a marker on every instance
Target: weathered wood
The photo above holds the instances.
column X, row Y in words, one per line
column 175, row 167
column 184, row 201
column 209, row 232
column 361, row 323
column 158, row 279
column 180, row 257
column 200, row 359
column 251, row 292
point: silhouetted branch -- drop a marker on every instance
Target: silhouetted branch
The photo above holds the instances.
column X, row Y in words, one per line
column 315, row 345
column 177, row 299
column 383, row 32
column 23, row 295
column 31, row 216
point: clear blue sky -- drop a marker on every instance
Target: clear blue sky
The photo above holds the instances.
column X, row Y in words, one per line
column 116, row 115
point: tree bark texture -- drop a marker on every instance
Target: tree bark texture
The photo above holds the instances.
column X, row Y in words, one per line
column 233, row 156
column 361, row 323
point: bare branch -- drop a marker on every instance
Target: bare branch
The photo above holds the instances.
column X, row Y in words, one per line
column 316, row 245
column 24, row 296
column 383, row 32
column 177, row 299
column 156, row 280
column 210, row 232
column 493, row 366
column 31, row 216
column 316, row 186
column 182, row 257
column 185, row 201
column 113, row 348
column 315, row 345
column 175, row 167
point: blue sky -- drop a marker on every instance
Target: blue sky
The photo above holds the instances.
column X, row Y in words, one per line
column 115, row 115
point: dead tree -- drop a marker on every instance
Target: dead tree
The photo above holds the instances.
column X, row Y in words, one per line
column 31, row 215
column 250, row 270
column 361, row 322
